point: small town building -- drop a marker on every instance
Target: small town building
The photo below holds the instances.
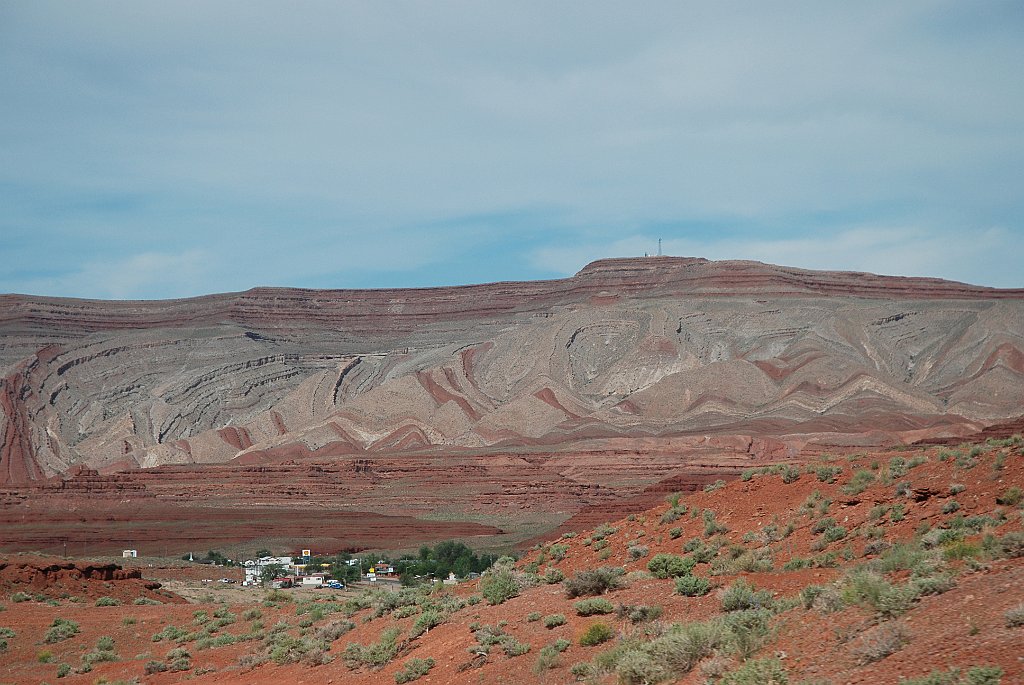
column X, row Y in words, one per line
column 314, row 580
column 129, row 554
column 254, row 568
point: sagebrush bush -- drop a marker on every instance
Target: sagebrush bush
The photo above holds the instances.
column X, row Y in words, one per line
column 670, row 565
column 591, row 607
column 880, row 641
column 552, row 576
column 692, row 586
column 595, row 581
column 595, row 634
column 499, row 586
column 554, row 620
column 61, row 629
column 859, row 482
column 757, row 672
column 742, row 595
column 414, row 669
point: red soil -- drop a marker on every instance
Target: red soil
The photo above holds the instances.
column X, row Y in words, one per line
column 962, row 627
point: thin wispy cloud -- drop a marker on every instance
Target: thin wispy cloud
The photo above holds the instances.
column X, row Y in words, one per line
column 344, row 144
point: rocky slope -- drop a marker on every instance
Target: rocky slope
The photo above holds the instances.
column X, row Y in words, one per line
column 884, row 567
column 642, row 348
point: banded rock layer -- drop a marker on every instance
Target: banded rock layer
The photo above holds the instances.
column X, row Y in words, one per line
column 639, row 348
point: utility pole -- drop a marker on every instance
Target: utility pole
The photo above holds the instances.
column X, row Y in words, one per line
column 659, row 247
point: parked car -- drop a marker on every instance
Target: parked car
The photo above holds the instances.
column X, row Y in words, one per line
column 226, row 580
column 335, row 585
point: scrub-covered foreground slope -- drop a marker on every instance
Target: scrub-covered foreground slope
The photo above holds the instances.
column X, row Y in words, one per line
column 634, row 348
column 895, row 566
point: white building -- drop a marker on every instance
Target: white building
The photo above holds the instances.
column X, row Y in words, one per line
column 254, row 568
column 315, row 580
column 129, row 554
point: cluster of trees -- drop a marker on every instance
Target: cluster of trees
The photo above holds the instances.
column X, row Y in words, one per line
column 438, row 561
column 431, row 563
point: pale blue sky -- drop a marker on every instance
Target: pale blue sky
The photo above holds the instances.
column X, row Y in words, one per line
column 167, row 149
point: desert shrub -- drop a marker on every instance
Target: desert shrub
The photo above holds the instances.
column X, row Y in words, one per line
column 1012, row 545
column 638, row 552
column 104, row 652
column 975, row 675
column 414, row 670
column 276, row 596
column 670, row 565
column 107, row 602
column 868, row 589
column 638, row 614
column 430, row 618
column 827, row 473
column 711, row 526
column 675, row 533
column 717, row 485
column 170, row 633
column 748, row 561
column 61, row 629
column 552, row 576
column 790, row 474
column 513, row 647
column 859, row 482
column 742, row 595
column 499, row 586
column 956, row 488
column 880, row 641
column 637, row 667
column 595, row 581
column 1014, row 617
column 19, row 597
column 933, row 585
column 595, row 634
column 757, row 672
column 898, row 467
column 590, row 607
column 153, row 667
column 958, row 549
column 950, row 506
column 834, row 534
column 554, row 620
column 681, row 649
column 549, row 657
column 692, row 586
column 821, row 525
column 748, row 630
column 674, row 513
column 558, row 552
column 1011, row 497
column 533, row 616
column 145, row 601
column 583, row 670
column 375, row 654
column 63, row 670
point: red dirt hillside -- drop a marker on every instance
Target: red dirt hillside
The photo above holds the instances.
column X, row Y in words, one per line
column 877, row 567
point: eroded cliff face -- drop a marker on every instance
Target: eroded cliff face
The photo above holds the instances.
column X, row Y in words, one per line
column 639, row 348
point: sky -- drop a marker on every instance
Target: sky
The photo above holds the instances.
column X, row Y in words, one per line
column 168, row 149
